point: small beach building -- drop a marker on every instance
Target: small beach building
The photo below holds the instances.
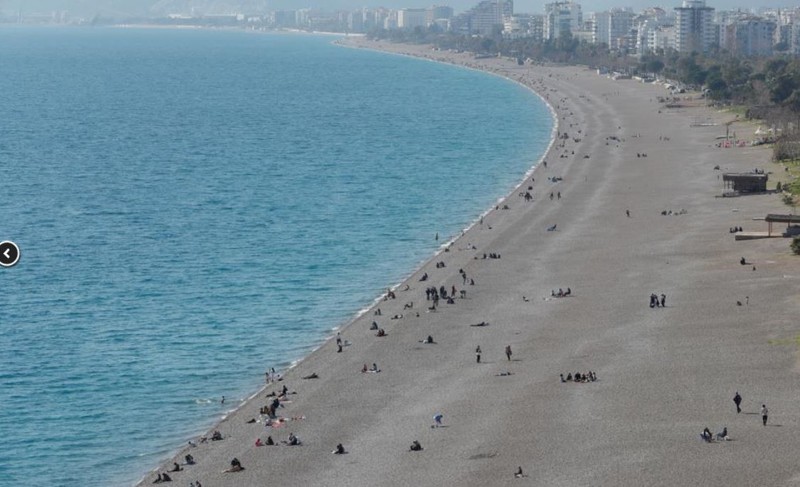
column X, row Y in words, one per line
column 789, row 220
column 749, row 182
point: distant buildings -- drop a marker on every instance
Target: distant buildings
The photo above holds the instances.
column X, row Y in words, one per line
column 613, row 28
column 751, row 36
column 486, row 18
column 561, row 18
column 694, row 27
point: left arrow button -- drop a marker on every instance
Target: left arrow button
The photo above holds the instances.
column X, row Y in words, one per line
column 9, row 253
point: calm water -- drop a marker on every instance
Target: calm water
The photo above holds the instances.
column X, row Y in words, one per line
column 194, row 207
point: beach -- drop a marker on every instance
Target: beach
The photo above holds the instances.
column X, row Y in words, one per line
column 631, row 194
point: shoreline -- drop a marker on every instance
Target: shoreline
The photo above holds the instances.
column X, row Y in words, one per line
column 620, row 342
column 330, row 336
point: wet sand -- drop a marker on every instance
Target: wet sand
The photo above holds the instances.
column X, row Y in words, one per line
column 663, row 374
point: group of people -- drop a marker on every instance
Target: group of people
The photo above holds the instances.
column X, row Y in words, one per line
column 578, row 377
column 374, row 369
column 165, row 477
column 735, row 230
column 656, row 302
column 560, row 293
column 708, row 437
column 268, row 442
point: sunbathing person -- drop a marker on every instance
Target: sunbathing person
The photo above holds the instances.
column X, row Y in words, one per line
column 236, row 466
column 312, row 376
column 374, row 368
column 706, row 435
column 339, row 450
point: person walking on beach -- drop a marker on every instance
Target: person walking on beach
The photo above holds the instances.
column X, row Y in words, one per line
column 478, row 354
column 764, row 414
column 737, row 399
column 508, row 352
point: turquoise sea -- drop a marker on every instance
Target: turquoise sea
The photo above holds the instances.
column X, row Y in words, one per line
column 194, row 207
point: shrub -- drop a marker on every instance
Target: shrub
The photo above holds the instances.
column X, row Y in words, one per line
column 795, row 245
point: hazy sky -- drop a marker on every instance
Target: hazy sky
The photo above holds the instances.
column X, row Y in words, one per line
column 534, row 6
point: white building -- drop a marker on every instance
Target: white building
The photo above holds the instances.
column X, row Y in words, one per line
column 560, row 17
column 752, row 36
column 694, row 27
column 411, row 18
column 610, row 27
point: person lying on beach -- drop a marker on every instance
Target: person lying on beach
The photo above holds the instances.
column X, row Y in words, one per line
column 723, row 435
column 397, row 317
column 424, row 276
column 504, row 374
column 312, row 376
column 409, row 305
column 374, row 369
column 552, row 228
column 482, row 323
column 339, row 450
column 427, row 340
column 236, row 466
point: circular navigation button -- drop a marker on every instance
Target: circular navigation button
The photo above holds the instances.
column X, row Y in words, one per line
column 9, row 253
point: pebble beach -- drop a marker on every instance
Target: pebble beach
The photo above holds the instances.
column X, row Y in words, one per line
column 626, row 203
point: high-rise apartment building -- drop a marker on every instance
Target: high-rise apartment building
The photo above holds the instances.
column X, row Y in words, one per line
column 694, row 27
column 561, row 17
column 752, row 36
column 611, row 27
column 484, row 18
column 411, row 18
